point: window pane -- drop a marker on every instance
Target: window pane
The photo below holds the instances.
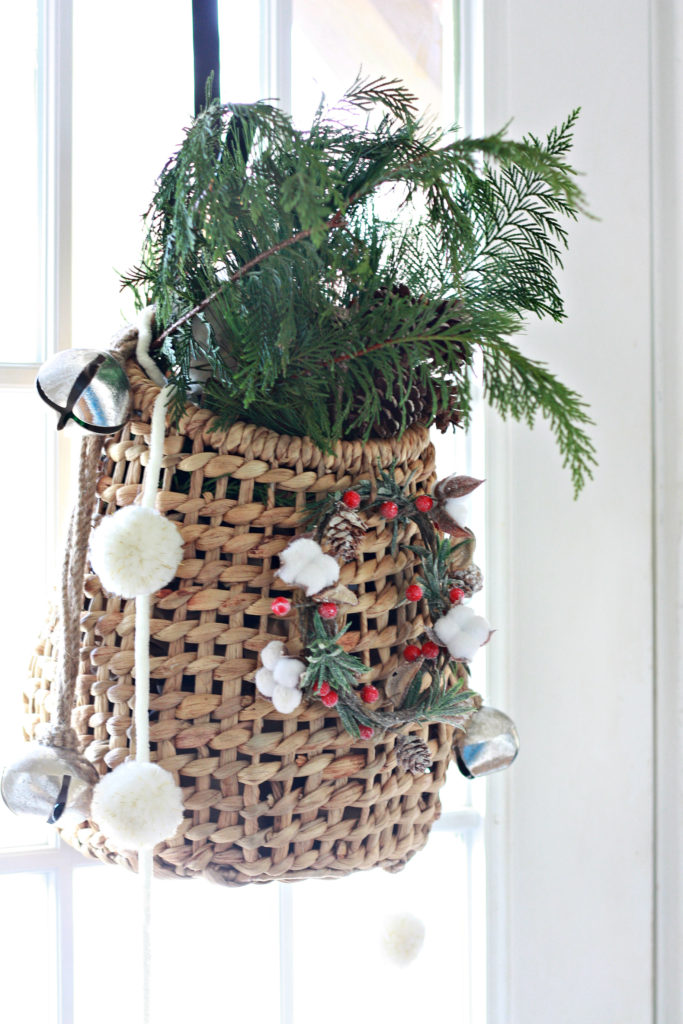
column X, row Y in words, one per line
column 340, row 970
column 23, row 518
column 132, row 96
column 332, row 40
column 20, row 186
column 214, row 950
column 27, row 957
column 239, row 27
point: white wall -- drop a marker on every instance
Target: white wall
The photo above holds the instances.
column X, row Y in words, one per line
column 584, row 619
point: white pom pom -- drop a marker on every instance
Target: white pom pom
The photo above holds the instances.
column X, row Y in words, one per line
column 402, row 938
column 271, row 652
column 137, row 805
column 265, row 683
column 286, row 699
column 288, row 671
column 305, row 564
column 462, row 631
column 135, row 551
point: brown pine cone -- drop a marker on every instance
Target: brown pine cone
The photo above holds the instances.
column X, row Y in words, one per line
column 412, row 755
column 470, row 580
column 343, row 533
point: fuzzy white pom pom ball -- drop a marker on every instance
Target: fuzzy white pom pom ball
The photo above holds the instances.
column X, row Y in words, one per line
column 135, row 551
column 462, row 632
column 286, row 699
column 271, row 652
column 402, row 938
column 265, row 683
column 137, row 805
column 305, row 564
column 288, row 671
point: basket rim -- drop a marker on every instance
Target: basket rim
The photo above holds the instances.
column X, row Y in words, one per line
column 242, row 436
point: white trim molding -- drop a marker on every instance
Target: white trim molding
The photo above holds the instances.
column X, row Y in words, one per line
column 573, row 825
column 667, row 275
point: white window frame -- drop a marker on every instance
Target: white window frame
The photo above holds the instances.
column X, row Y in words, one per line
column 56, row 860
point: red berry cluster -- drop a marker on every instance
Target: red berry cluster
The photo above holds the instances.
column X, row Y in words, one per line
column 423, row 503
column 428, row 650
column 328, row 696
column 414, row 592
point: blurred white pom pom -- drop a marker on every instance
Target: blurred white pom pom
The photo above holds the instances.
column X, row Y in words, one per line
column 135, row 551
column 286, row 699
column 265, row 682
column 271, row 652
column 305, row 564
column 137, row 805
column 402, row 938
column 288, row 671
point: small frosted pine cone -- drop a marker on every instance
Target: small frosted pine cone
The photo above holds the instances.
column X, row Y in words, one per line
column 412, row 755
column 343, row 533
column 470, row 580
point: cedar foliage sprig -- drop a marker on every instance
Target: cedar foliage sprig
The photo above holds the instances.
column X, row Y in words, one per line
column 274, row 235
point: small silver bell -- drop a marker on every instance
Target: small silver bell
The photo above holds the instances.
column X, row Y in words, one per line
column 50, row 783
column 87, row 387
column 490, row 744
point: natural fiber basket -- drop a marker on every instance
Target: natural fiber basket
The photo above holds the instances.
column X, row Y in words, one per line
column 267, row 796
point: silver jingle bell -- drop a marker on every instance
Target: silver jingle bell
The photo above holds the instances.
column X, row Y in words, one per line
column 490, row 744
column 88, row 387
column 49, row 783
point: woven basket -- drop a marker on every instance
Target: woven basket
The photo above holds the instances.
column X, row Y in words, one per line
column 267, row 796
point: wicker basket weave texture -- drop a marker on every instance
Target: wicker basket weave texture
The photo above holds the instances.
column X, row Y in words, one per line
column 267, row 796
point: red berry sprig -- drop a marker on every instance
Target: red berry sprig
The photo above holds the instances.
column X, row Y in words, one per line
column 388, row 509
column 351, row 499
column 323, row 689
column 423, row 503
column 366, row 731
column 281, row 606
column 430, row 650
column 412, row 652
column 369, row 694
column 330, row 698
column 327, row 610
column 414, row 592
column 455, row 595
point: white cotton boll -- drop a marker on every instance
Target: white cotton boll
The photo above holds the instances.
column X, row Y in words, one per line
column 305, row 564
column 135, row 551
column 271, row 652
column 288, row 672
column 265, row 683
column 463, row 647
column 458, row 509
column 286, row 699
column 448, row 627
column 402, row 938
column 137, row 805
column 462, row 632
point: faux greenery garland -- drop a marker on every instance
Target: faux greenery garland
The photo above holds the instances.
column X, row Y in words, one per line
column 268, row 256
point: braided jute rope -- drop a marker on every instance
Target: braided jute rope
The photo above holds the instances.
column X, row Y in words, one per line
column 59, row 731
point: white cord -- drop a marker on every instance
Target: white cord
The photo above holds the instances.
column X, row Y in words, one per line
column 145, row 321
column 143, row 605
